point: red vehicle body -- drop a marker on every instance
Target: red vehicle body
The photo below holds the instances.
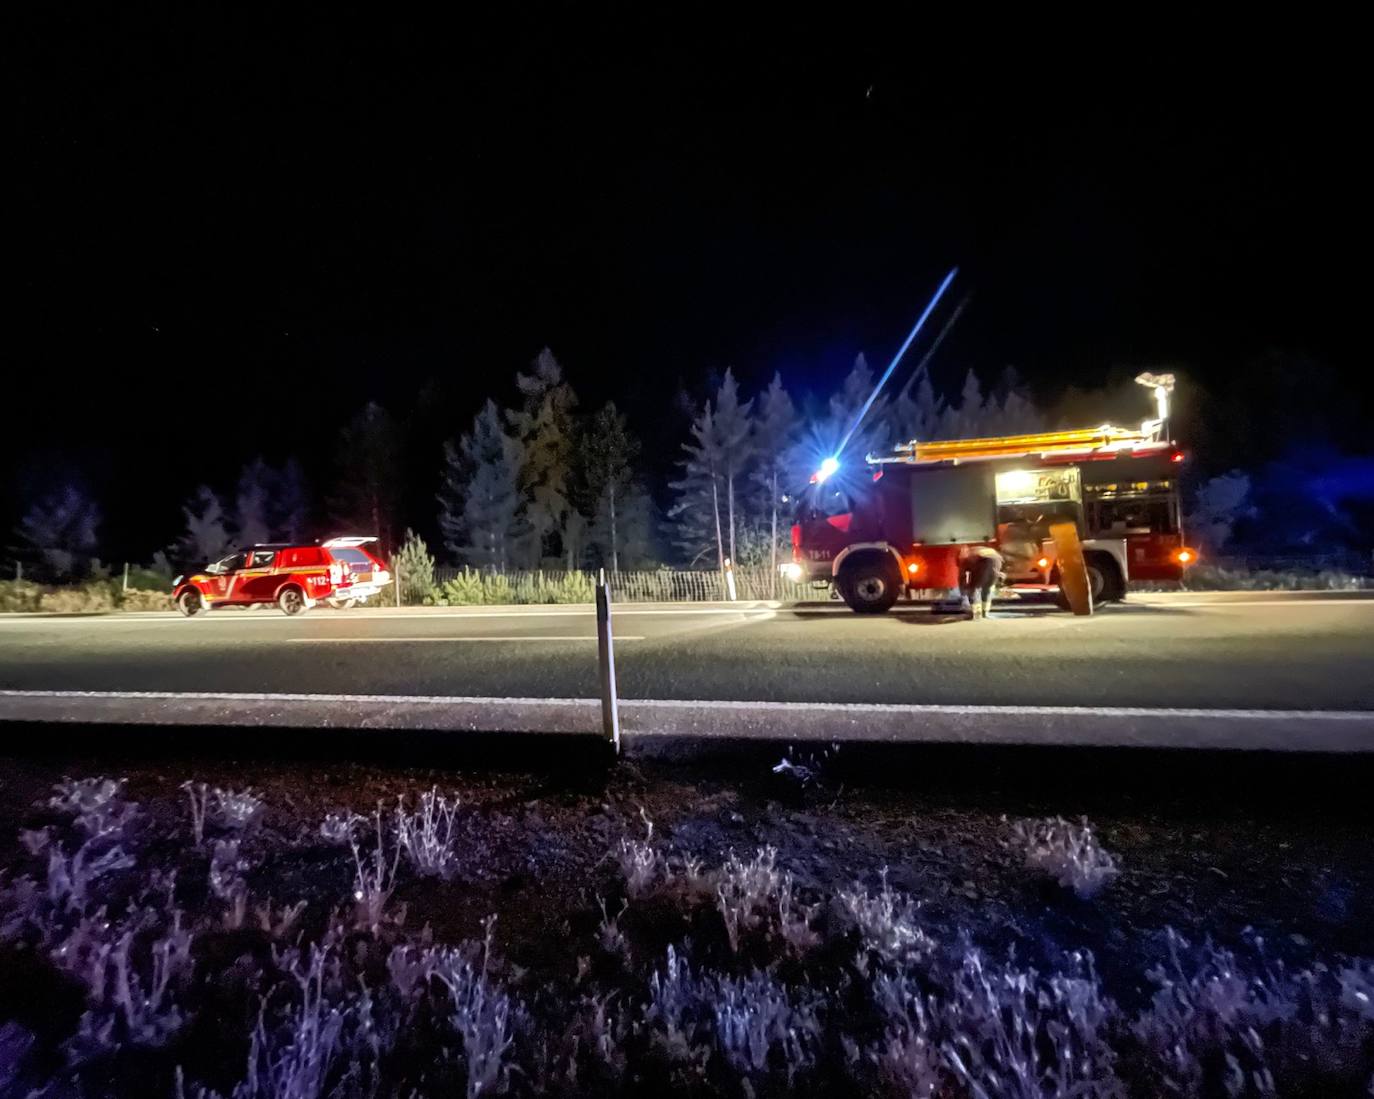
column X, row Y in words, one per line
column 857, row 532
column 292, row 577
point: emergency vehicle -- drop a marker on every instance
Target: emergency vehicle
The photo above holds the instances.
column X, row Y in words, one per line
column 294, row 578
column 899, row 524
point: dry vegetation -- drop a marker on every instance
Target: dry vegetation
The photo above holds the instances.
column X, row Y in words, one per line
column 355, row 934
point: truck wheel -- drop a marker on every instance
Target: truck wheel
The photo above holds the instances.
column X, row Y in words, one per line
column 190, row 603
column 291, row 601
column 871, row 586
column 1104, row 578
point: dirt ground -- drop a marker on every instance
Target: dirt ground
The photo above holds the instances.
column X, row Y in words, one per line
column 1226, row 848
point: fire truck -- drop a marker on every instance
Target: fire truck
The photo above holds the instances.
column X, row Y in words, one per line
column 897, row 525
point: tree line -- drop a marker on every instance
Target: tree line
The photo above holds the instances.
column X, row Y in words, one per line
column 547, row 483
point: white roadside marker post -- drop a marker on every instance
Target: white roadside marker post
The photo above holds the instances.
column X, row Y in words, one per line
column 730, row 580
column 605, row 648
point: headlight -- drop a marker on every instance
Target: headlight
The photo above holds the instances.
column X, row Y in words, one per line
column 791, row 571
column 178, row 580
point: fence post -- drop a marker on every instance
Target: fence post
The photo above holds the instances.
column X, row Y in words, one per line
column 605, row 648
column 730, row 580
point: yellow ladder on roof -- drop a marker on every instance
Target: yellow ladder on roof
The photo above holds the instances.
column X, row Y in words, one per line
column 1044, row 442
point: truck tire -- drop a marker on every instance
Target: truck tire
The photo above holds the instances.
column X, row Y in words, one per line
column 1104, row 578
column 291, row 600
column 190, row 604
column 870, row 585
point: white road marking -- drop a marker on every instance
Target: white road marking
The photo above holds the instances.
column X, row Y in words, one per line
column 257, row 696
column 913, row 708
column 1243, row 603
column 1101, row 726
column 170, row 618
column 412, row 640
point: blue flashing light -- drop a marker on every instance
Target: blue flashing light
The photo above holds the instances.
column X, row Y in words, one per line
column 828, row 469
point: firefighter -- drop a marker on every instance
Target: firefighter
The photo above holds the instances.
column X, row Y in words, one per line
column 980, row 567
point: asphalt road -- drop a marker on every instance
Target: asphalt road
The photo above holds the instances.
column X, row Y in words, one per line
column 1235, row 650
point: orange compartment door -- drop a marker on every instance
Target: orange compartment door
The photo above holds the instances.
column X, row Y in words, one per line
column 1073, row 571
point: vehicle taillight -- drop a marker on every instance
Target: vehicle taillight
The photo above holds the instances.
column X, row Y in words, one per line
column 1176, row 456
column 1043, row 563
column 1185, row 556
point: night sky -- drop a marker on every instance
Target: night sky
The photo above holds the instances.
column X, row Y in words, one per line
column 223, row 236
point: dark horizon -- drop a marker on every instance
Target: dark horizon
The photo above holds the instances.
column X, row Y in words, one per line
column 237, row 240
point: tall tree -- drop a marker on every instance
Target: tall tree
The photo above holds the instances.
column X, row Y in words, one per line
column 608, row 454
column 545, row 429
column 918, row 412
column 365, row 498
column 873, row 433
column 696, row 512
column 60, row 530
column 252, row 501
column 479, row 496
column 1016, row 414
column 734, row 433
column 207, row 532
column 290, row 509
column 973, row 411
column 775, row 441
column 634, row 526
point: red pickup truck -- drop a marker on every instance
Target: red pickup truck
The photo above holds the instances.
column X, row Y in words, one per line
column 293, row 577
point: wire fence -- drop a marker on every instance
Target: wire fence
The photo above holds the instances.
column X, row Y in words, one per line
column 458, row 586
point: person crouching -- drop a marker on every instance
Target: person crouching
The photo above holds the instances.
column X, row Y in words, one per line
column 980, row 568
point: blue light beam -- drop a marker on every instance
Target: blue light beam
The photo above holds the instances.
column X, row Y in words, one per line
column 859, row 419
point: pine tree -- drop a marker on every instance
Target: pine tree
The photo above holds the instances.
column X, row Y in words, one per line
column 61, row 530
column 414, row 569
column 871, row 435
column 545, row 430
column 290, row 506
column 365, row 499
column 734, row 433
column 918, row 412
column 608, row 454
column 972, row 417
column 207, row 535
column 775, row 441
column 1016, row 414
column 479, row 494
column 634, row 528
column 696, row 513
column 252, row 502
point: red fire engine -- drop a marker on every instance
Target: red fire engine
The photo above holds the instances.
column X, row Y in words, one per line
column 899, row 524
